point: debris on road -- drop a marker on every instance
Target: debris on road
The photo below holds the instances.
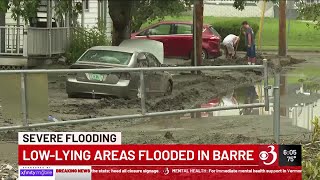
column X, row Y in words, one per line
column 8, row 172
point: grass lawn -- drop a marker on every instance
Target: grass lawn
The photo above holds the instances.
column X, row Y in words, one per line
column 300, row 37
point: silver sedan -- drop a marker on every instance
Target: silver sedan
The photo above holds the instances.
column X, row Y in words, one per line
column 124, row 84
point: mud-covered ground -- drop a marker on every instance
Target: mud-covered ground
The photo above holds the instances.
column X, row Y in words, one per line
column 189, row 90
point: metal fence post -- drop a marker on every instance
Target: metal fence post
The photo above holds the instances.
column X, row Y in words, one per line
column 194, row 35
column 266, row 86
column 142, row 94
column 24, row 100
column 276, row 107
column 50, row 42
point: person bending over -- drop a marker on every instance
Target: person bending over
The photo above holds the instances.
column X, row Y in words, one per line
column 229, row 43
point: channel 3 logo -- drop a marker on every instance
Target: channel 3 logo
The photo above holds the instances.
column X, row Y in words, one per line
column 268, row 157
column 166, row 171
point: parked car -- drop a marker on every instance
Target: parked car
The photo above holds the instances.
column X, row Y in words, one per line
column 177, row 39
column 120, row 84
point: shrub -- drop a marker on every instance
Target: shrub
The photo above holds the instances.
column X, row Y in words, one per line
column 311, row 154
column 233, row 27
column 83, row 39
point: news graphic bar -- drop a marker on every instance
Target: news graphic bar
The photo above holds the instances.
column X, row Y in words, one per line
column 69, row 138
column 100, row 155
column 225, row 155
column 194, row 172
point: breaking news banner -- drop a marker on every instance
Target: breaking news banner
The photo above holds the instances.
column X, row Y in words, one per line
column 100, row 155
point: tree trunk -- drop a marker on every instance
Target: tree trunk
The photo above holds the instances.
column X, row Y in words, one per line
column 121, row 15
column 2, row 31
column 282, row 29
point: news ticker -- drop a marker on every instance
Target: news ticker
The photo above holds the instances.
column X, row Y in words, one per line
column 100, row 155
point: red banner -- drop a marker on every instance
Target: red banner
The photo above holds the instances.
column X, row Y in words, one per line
column 171, row 161
column 143, row 154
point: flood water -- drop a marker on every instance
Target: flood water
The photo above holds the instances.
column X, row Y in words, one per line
column 300, row 100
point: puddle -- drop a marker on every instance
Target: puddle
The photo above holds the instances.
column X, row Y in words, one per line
column 300, row 100
column 234, row 97
column 300, row 96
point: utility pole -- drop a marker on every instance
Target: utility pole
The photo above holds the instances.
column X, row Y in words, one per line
column 199, row 26
column 197, row 32
column 194, row 35
column 282, row 29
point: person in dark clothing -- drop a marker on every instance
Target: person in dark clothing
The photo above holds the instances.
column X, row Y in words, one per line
column 250, row 44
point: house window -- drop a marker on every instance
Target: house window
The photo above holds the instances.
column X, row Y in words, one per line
column 86, row 5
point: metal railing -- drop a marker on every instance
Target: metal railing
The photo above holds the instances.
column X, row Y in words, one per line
column 144, row 112
column 11, row 40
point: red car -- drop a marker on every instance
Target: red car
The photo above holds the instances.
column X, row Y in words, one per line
column 177, row 39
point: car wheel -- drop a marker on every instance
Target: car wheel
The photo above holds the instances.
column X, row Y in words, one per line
column 204, row 54
column 169, row 89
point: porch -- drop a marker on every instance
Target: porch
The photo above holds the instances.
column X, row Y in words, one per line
column 45, row 36
column 28, row 42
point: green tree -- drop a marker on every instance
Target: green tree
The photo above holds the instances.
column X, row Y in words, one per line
column 126, row 15
column 310, row 12
column 67, row 7
column 27, row 9
column 22, row 8
column 149, row 10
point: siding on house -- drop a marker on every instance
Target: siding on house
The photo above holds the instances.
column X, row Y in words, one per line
column 91, row 16
column 10, row 21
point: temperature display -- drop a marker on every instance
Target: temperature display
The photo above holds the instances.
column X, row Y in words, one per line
column 290, row 155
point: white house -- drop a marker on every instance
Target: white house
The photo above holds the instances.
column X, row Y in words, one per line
column 37, row 40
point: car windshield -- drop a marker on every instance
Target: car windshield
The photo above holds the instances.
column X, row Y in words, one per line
column 107, row 56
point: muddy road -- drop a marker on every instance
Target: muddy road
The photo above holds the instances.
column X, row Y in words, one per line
column 188, row 90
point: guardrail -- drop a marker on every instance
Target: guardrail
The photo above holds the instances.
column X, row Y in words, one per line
column 144, row 113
